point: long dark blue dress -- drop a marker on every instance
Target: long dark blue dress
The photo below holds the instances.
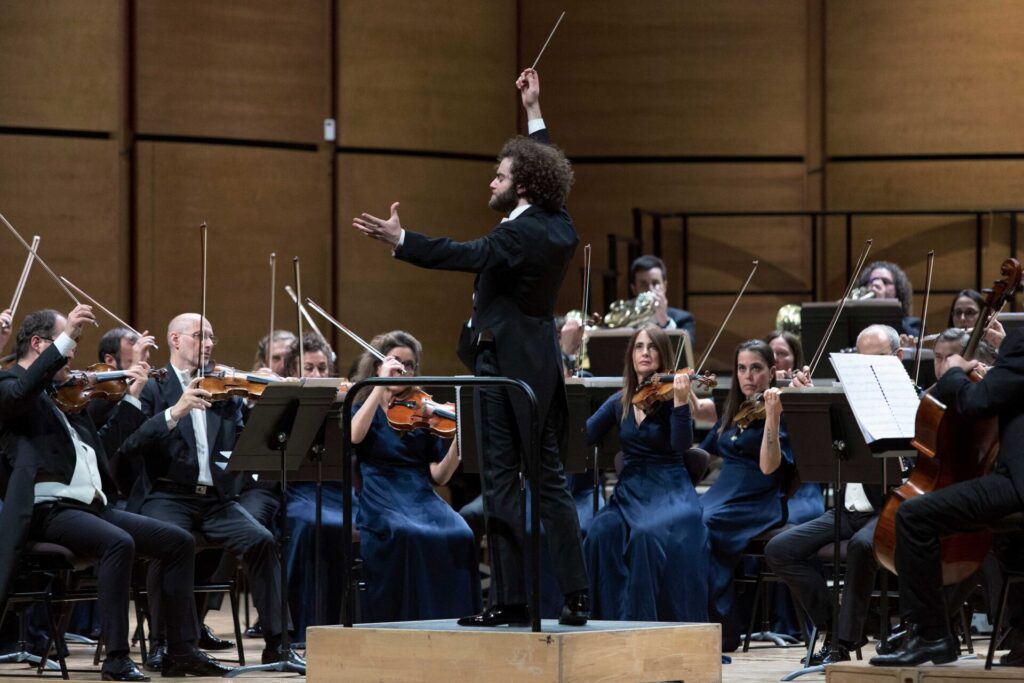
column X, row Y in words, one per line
column 419, row 556
column 742, row 503
column 647, row 549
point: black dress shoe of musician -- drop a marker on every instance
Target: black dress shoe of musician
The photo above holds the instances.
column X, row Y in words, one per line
column 122, row 669
column 891, row 644
column 576, row 610
column 271, row 655
column 155, row 661
column 194, row 663
column 208, row 640
column 838, row 653
column 918, row 650
column 817, row 657
column 499, row 615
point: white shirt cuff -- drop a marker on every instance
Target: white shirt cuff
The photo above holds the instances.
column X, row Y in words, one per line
column 64, row 343
column 533, row 125
column 132, row 401
column 171, row 422
column 401, row 241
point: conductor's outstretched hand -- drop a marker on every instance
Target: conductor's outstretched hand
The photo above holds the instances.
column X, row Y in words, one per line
column 389, row 230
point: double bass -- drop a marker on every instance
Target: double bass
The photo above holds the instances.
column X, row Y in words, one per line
column 951, row 449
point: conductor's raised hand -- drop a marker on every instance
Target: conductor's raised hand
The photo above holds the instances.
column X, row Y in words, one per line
column 193, row 398
column 389, row 230
column 528, row 85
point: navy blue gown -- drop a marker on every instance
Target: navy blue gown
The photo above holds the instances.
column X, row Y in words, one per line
column 742, row 503
column 419, row 555
column 647, row 549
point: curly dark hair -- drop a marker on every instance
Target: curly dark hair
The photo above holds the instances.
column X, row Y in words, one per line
column 542, row 170
column 904, row 290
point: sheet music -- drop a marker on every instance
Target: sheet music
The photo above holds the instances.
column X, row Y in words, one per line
column 880, row 392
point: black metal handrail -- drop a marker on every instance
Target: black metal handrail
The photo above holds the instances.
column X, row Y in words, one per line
column 533, row 470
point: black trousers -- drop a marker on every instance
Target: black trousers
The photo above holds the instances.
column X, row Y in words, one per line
column 112, row 537
column 501, row 452
column 793, row 556
column 229, row 525
column 920, row 524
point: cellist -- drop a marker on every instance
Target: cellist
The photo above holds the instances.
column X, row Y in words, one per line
column 965, row 506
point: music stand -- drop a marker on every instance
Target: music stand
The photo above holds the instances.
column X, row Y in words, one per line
column 820, row 421
column 585, row 395
column 816, row 315
column 280, row 433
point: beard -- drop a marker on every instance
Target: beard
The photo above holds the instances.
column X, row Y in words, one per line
column 505, row 201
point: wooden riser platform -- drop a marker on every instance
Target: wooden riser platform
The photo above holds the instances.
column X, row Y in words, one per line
column 619, row 651
column 960, row 671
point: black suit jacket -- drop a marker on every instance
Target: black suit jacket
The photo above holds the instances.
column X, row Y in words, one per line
column 171, row 454
column 684, row 321
column 520, row 267
column 38, row 448
column 1000, row 393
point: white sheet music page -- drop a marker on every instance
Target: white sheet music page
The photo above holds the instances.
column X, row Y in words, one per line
column 880, row 392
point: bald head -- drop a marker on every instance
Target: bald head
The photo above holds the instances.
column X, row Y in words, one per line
column 183, row 339
column 879, row 340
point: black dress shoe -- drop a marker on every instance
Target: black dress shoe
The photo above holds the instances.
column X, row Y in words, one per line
column 918, row 650
column 891, row 644
column 122, row 669
column 254, row 631
column 817, row 657
column 208, row 640
column 155, row 661
column 576, row 610
column 838, row 653
column 499, row 615
column 271, row 655
column 194, row 663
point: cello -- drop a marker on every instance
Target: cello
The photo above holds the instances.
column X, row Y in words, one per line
column 951, row 449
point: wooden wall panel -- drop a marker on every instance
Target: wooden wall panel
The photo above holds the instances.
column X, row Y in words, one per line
column 924, row 77
column 664, row 77
column 250, row 69
column 256, row 201
column 375, row 292
column 61, row 64
column 427, row 75
column 66, row 191
column 754, row 318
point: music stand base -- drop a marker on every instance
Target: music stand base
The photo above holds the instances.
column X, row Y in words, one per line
column 793, row 675
column 280, row 667
column 23, row 657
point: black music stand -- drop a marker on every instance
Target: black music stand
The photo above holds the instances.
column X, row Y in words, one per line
column 584, row 399
column 279, row 435
column 828, row 444
column 815, row 317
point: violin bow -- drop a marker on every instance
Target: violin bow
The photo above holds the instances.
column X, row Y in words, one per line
column 273, row 280
column 35, row 255
column 739, row 295
column 586, row 299
column 351, row 335
column 545, row 46
column 16, row 299
column 302, row 309
column 298, row 310
column 924, row 316
column 201, row 370
column 819, row 352
column 103, row 308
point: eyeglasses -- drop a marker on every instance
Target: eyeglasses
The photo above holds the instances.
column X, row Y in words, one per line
column 409, row 365
column 208, row 337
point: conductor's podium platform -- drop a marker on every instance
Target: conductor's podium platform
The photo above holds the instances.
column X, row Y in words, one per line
column 960, row 671
column 620, row 651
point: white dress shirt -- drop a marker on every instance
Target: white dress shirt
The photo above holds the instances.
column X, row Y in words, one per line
column 199, row 427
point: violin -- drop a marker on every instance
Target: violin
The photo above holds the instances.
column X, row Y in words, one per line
column 415, row 409
column 98, row 381
column 224, row 382
column 658, row 387
column 750, row 411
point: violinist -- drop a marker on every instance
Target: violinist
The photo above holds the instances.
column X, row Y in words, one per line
column 185, row 444
column 281, row 347
column 789, row 353
column 120, row 348
column 648, row 274
column 975, row 503
column 964, row 312
column 747, row 498
column 419, row 555
column 64, row 458
column 792, row 555
column 6, row 327
column 647, row 548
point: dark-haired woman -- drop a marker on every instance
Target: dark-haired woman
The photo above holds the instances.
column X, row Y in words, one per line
column 647, row 548
column 419, row 556
column 963, row 314
column 747, row 498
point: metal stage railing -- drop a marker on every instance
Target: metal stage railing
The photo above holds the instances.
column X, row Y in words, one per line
column 531, row 571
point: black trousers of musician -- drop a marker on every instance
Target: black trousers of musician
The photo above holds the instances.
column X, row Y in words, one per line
column 792, row 555
column 113, row 538
column 923, row 520
column 501, row 452
column 227, row 524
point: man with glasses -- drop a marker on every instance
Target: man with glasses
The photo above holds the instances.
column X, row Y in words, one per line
column 61, row 491
column 185, row 446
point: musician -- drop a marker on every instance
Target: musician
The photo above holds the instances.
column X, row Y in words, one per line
column 419, row 555
column 792, row 555
column 63, row 459
column 280, row 349
column 520, row 264
column 185, row 444
column 648, row 274
column 747, row 497
column 6, row 327
column 886, row 280
column 647, row 550
column 965, row 506
column 950, row 342
column 789, row 353
column 120, row 348
column 964, row 312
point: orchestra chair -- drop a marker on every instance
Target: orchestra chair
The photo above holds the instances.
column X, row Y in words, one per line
column 1011, row 525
